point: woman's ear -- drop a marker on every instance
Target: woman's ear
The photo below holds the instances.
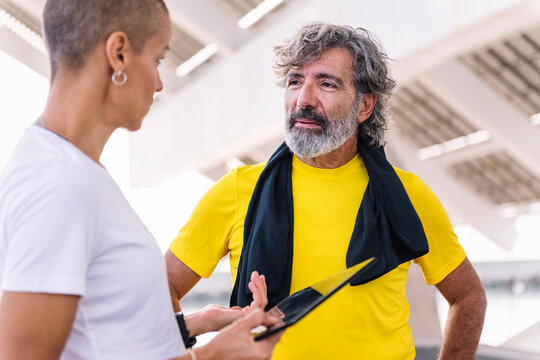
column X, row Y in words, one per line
column 116, row 50
column 367, row 103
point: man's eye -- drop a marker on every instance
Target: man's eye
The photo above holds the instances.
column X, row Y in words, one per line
column 328, row 84
column 293, row 82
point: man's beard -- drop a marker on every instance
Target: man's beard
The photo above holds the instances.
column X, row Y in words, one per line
column 311, row 143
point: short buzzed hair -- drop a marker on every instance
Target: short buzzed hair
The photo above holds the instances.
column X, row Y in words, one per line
column 370, row 66
column 73, row 28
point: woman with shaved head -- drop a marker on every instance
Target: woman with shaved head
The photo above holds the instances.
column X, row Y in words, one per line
column 80, row 275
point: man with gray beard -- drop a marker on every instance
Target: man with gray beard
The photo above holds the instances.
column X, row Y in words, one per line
column 309, row 143
column 326, row 200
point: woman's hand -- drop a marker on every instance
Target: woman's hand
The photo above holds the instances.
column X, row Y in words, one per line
column 236, row 342
column 211, row 318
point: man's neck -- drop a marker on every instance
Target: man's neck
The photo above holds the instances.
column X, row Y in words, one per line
column 336, row 158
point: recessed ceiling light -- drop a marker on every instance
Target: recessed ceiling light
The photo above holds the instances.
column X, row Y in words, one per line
column 196, row 60
column 21, row 30
column 453, row 144
column 257, row 14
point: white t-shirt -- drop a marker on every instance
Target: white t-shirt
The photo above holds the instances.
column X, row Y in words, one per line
column 66, row 228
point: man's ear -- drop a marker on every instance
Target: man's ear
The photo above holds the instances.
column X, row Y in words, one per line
column 116, row 50
column 367, row 103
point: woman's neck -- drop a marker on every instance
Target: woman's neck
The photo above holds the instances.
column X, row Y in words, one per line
column 75, row 111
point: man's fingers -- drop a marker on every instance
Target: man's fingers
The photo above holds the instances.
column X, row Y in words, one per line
column 258, row 288
column 256, row 280
column 263, row 279
column 253, row 288
column 257, row 285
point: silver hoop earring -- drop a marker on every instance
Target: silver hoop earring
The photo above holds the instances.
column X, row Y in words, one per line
column 119, row 78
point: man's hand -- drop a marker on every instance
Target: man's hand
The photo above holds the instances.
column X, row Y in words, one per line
column 257, row 285
column 215, row 317
column 465, row 295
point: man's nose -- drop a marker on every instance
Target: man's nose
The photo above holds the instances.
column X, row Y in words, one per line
column 307, row 97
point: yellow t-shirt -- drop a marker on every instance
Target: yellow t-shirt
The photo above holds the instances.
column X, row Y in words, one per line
column 368, row 321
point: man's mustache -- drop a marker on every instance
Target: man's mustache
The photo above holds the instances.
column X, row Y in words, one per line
column 309, row 114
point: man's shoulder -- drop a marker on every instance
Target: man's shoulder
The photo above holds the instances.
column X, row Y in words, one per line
column 407, row 178
column 245, row 175
column 419, row 192
column 250, row 173
column 237, row 183
column 414, row 185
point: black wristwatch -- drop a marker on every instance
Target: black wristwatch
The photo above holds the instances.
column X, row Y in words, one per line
column 188, row 341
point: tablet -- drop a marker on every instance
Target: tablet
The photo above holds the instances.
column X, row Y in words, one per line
column 294, row 307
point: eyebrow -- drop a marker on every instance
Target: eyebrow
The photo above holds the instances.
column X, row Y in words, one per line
column 330, row 77
column 297, row 75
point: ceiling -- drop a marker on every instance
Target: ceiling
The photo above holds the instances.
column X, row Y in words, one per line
column 510, row 67
column 463, row 113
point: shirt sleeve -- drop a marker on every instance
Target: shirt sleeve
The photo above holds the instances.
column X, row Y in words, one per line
column 204, row 239
column 445, row 253
column 50, row 234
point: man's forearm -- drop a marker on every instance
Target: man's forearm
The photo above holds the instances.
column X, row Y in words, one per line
column 463, row 327
column 175, row 300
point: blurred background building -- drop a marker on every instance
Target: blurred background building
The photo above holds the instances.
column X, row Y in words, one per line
column 466, row 116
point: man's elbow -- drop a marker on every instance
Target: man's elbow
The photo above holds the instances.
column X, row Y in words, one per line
column 481, row 299
column 476, row 301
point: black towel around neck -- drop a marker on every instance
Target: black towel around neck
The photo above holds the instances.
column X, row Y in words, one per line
column 387, row 226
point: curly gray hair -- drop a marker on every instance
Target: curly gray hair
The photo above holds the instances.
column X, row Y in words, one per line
column 370, row 66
